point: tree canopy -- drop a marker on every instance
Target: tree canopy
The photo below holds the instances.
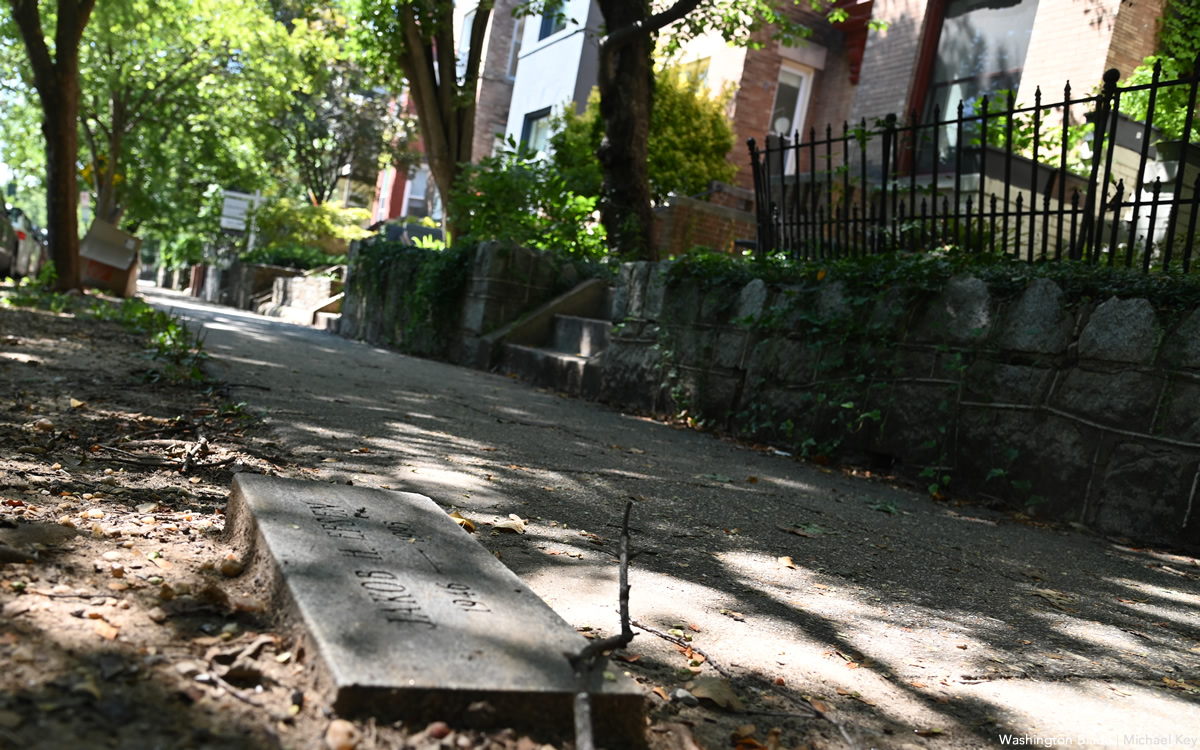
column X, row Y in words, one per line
column 414, row 39
column 181, row 99
column 690, row 137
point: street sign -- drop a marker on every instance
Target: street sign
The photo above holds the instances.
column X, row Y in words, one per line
column 236, row 208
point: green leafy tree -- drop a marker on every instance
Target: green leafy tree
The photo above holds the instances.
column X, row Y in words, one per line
column 22, row 147
column 341, row 118
column 1178, row 51
column 53, row 67
column 415, row 39
column 689, row 140
column 518, row 198
column 626, row 85
column 288, row 223
column 207, row 70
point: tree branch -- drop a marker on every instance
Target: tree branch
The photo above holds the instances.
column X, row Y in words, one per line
column 660, row 20
column 29, row 23
column 585, row 660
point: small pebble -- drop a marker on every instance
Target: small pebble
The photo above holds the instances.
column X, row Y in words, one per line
column 684, row 697
column 43, row 424
column 437, row 730
column 231, row 566
column 342, row 735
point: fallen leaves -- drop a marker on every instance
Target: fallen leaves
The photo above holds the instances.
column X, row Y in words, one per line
column 1192, row 687
column 718, row 691
column 105, row 630
column 462, row 521
column 514, row 523
column 855, row 695
column 786, row 562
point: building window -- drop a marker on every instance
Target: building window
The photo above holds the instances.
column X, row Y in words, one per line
column 553, row 20
column 696, row 70
column 514, row 53
column 791, row 101
column 978, row 48
column 535, row 132
column 464, row 44
column 417, row 188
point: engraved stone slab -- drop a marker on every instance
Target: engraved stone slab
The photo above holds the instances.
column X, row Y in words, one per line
column 411, row 617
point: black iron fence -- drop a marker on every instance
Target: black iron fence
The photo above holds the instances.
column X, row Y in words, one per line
column 1078, row 179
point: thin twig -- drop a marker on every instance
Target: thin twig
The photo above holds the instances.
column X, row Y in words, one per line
column 248, row 385
column 686, row 644
column 196, row 449
column 585, row 660
column 134, row 458
column 246, row 698
column 181, row 427
column 595, row 648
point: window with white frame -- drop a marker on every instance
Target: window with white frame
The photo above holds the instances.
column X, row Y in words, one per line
column 464, row 44
column 514, row 52
column 791, row 100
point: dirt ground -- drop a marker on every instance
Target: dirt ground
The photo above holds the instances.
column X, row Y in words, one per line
column 126, row 623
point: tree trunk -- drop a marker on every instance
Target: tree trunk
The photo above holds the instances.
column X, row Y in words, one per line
column 445, row 106
column 107, row 207
column 57, row 81
column 626, row 83
column 60, row 106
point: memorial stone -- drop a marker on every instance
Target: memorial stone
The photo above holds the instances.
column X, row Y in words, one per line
column 412, row 618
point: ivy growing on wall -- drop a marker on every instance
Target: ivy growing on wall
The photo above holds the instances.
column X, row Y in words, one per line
column 422, row 289
column 836, row 324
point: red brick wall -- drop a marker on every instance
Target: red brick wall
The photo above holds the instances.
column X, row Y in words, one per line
column 752, row 106
column 829, row 100
column 1070, row 42
column 890, row 60
column 687, row 223
column 495, row 88
column 1135, row 35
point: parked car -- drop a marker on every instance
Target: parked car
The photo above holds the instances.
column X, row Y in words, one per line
column 8, row 245
column 30, row 253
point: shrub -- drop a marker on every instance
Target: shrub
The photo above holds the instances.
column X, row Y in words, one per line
column 292, row 256
column 517, row 198
column 287, row 223
column 690, row 137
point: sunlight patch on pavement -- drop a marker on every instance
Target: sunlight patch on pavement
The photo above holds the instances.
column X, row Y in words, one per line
column 1092, row 713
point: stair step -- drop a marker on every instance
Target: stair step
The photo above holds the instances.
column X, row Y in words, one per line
column 569, row 373
column 584, row 337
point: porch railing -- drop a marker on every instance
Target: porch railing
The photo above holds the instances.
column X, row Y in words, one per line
column 1075, row 179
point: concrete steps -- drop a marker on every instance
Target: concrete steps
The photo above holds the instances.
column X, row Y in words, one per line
column 563, row 350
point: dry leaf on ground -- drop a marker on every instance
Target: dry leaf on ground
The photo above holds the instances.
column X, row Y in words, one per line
column 717, row 690
column 464, row 522
column 514, row 523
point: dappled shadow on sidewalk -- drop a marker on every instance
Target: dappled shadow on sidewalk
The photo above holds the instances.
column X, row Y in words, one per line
column 948, row 624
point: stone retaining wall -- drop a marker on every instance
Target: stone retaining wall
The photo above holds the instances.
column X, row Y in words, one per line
column 503, row 284
column 1092, row 413
column 245, row 281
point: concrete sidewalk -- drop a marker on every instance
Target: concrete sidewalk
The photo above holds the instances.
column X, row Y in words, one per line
column 917, row 623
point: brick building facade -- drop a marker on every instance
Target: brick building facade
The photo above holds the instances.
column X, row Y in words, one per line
column 847, row 72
